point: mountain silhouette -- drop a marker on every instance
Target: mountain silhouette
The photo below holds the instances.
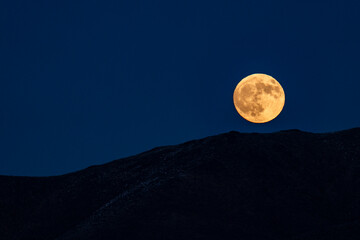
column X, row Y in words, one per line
column 289, row 185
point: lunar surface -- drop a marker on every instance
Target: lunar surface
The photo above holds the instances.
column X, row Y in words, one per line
column 259, row 98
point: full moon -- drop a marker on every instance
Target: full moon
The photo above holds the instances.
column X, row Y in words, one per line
column 259, row 98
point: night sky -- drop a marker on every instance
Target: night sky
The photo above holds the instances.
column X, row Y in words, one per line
column 86, row 82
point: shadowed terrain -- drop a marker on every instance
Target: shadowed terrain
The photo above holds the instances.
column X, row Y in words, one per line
column 286, row 185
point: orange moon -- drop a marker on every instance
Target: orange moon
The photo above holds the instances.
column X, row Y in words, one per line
column 259, row 98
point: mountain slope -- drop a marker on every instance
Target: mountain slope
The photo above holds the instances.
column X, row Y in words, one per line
column 285, row 185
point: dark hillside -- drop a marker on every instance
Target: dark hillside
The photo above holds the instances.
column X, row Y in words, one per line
column 284, row 185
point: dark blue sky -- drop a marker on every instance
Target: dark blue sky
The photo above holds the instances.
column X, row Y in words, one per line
column 89, row 81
